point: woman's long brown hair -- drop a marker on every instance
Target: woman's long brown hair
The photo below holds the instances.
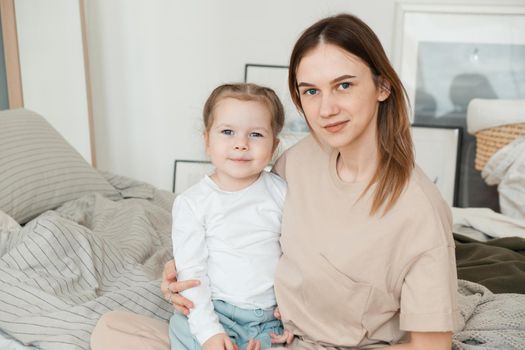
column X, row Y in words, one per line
column 396, row 155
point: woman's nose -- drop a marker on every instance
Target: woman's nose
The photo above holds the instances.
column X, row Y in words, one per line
column 328, row 106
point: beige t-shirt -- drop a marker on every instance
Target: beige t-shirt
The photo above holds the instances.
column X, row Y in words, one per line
column 349, row 279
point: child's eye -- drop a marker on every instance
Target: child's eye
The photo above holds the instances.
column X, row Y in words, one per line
column 345, row 85
column 310, row 92
column 228, row 132
column 256, row 134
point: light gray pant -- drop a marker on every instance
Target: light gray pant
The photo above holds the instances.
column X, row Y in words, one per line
column 240, row 324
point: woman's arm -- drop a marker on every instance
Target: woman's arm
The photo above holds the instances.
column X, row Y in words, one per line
column 426, row 341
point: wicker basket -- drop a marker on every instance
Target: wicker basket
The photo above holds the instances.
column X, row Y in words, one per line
column 488, row 141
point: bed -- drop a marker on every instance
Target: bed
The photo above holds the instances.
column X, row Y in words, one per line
column 490, row 258
column 90, row 242
column 76, row 243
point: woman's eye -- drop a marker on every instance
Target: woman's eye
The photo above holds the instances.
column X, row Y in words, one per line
column 228, row 132
column 345, row 86
column 310, row 92
column 256, row 134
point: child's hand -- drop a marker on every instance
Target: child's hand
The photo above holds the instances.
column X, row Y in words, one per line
column 219, row 341
column 285, row 338
column 277, row 313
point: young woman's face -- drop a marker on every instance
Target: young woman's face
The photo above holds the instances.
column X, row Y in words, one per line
column 339, row 97
column 240, row 142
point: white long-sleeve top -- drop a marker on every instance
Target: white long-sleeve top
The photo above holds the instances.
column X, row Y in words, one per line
column 230, row 242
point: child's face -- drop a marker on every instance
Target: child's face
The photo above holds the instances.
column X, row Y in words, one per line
column 240, row 142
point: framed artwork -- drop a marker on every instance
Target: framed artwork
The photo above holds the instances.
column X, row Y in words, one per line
column 437, row 151
column 276, row 78
column 187, row 173
column 449, row 54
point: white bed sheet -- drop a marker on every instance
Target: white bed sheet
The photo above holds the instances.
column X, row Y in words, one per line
column 489, row 222
column 8, row 343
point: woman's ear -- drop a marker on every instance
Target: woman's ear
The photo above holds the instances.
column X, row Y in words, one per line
column 384, row 90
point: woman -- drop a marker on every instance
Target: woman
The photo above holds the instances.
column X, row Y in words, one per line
column 368, row 255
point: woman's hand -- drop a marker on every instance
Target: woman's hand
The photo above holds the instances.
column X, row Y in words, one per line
column 171, row 288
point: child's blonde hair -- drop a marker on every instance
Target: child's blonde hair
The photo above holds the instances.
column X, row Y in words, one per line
column 246, row 92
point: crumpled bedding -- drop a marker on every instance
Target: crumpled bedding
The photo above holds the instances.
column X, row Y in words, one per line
column 489, row 321
column 64, row 269
column 506, row 168
column 498, row 264
column 488, row 222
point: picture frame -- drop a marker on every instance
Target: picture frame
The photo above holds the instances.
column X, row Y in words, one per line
column 187, row 173
column 448, row 54
column 437, row 153
column 276, row 78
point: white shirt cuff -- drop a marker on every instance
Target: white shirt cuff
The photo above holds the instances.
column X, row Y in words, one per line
column 208, row 331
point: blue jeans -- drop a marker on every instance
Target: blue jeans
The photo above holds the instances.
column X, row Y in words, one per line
column 239, row 324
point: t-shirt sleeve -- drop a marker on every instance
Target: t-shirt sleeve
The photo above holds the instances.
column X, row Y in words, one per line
column 191, row 255
column 428, row 294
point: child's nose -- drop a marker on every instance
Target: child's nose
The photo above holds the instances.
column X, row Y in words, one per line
column 241, row 143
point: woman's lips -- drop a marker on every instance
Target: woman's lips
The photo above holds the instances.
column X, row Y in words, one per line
column 335, row 127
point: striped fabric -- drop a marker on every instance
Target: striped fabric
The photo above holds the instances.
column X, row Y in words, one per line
column 39, row 170
column 67, row 267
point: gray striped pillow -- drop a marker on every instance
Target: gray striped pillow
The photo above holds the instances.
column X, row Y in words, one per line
column 39, row 169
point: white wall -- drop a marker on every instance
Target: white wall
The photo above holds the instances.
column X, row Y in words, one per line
column 52, row 67
column 153, row 64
